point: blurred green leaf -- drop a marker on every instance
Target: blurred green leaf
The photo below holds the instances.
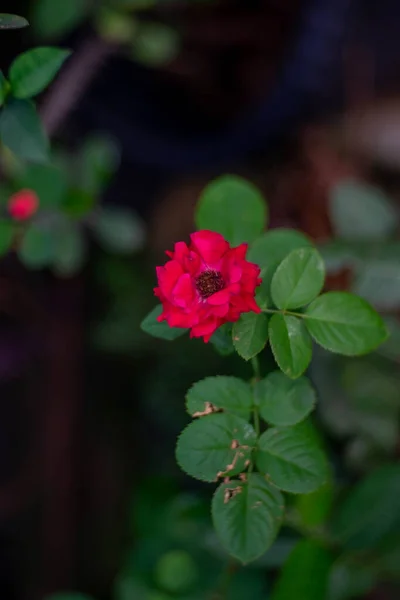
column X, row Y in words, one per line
column 205, row 449
column 133, row 4
column 47, row 181
column 161, row 330
column 371, row 511
column 78, row 203
column 155, row 44
column 22, row 131
column 344, row 323
column 298, row 279
column 54, row 19
column 247, row 516
column 350, row 580
column 222, row 392
column 7, row 233
column 176, row 572
column 32, row 71
column 8, row 21
column 4, row 88
column 282, row 401
column 118, row 230
column 290, row 343
column 314, row 509
column 233, row 207
column 250, row 334
column 70, row 250
column 305, row 574
column 292, row 459
column 361, row 211
column 37, row 247
column 222, row 340
column 379, row 283
column 98, row 159
column 271, row 248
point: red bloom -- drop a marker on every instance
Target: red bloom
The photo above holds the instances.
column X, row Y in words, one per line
column 23, row 204
column 206, row 284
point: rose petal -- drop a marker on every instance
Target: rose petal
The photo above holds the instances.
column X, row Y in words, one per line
column 183, row 292
column 218, row 298
column 210, row 245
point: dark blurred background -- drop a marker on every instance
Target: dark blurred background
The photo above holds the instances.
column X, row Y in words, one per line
column 295, row 95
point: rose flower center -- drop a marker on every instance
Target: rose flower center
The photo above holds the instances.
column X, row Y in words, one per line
column 209, row 282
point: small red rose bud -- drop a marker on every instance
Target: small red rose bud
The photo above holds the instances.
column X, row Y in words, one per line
column 23, row 204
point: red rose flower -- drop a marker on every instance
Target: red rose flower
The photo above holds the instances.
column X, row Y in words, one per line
column 23, row 204
column 206, row 284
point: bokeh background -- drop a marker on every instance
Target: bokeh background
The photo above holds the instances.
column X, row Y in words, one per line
column 300, row 97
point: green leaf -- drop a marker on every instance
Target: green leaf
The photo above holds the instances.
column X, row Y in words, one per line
column 292, row 459
column 155, row 44
column 78, row 203
column 7, row 232
column 215, row 446
column 222, row 340
column 70, row 250
column 222, row 392
column 298, row 279
column 32, row 71
column 247, row 516
column 371, row 512
column 271, row 248
column 233, row 207
column 282, row 401
column 344, row 323
column 305, row 573
column 290, row 343
column 161, row 330
column 378, row 282
column 314, row 508
column 349, row 579
column 55, row 19
column 49, row 183
column 4, row 88
column 8, row 21
column 98, row 161
column 118, row 230
column 250, row 334
column 37, row 247
column 21, row 130
column 176, row 571
column 361, row 211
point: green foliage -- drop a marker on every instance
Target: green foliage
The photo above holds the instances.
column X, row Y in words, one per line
column 54, row 19
column 160, row 330
column 49, row 183
column 155, row 44
column 22, row 132
column 370, row 514
column 282, row 401
column 233, row 207
column 360, row 211
column 271, row 248
column 305, row 573
column 250, row 334
column 32, row 71
column 290, row 344
column 118, row 230
column 7, row 233
column 291, row 459
column 344, row 323
column 247, row 516
column 37, row 247
column 214, row 446
column 213, row 393
column 4, row 88
column 176, row 572
column 222, row 340
column 8, row 21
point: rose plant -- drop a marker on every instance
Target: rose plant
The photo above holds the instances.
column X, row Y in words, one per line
column 242, row 288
